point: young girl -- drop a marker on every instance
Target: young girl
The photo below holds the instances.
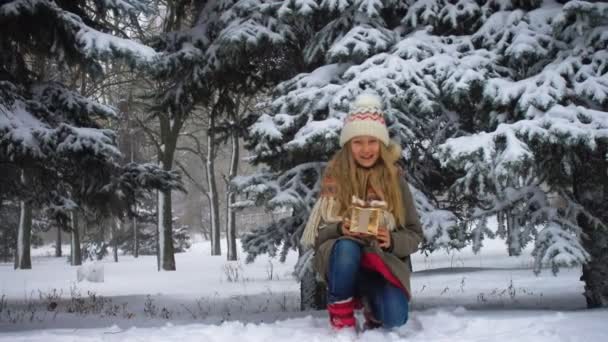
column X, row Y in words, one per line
column 362, row 270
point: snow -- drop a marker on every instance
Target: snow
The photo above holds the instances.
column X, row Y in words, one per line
column 265, row 126
column 437, row 223
column 422, row 12
column 453, row 13
column 250, row 31
column 570, row 125
column 370, row 7
column 95, row 43
column 541, row 91
column 302, row 7
column 323, row 130
column 128, row 6
column 335, row 5
column 55, row 95
column 559, row 247
column 92, row 272
column 584, row 6
column 318, row 87
column 450, row 325
column 72, row 139
column 458, row 296
column 20, row 126
column 30, row 134
column 419, row 45
column 361, row 41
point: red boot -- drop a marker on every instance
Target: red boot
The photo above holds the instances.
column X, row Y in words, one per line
column 342, row 314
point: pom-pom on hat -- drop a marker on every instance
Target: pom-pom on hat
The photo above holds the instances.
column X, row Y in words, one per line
column 365, row 118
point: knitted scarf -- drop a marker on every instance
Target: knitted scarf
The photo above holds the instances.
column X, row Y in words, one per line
column 327, row 209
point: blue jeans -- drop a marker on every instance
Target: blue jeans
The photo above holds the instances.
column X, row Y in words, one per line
column 347, row 279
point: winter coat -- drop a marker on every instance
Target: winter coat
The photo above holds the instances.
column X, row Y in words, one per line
column 394, row 263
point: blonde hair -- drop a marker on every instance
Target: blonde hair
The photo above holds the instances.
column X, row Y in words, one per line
column 383, row 177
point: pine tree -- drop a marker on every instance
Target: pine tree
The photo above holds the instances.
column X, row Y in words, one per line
column 51, row 137
column 543, row 158
column 500, row 107
column 147, row 235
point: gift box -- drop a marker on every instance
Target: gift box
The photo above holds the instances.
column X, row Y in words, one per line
column 365, row 220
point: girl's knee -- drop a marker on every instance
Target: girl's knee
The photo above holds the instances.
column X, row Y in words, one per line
column 395, row 320
column 347, row 248
column 395, row 307
column 347, row 244
column 345, row 257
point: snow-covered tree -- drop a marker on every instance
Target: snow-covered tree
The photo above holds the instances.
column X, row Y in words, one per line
column 500, row 106
column 51, row 137
column 205, row 68
column 541, row 154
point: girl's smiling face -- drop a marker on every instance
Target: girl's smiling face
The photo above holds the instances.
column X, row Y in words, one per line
column 365, row 150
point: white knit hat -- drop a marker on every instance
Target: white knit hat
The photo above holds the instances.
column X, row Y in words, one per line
column 365, row 118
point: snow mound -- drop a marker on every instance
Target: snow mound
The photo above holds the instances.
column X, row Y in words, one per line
column 92, row 272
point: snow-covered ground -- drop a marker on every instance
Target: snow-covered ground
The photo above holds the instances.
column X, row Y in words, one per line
column 457, row 297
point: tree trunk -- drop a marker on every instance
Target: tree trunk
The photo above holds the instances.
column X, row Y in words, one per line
column 76, row 255
column 313, row 294
column 24, row 234
column 509, row 233
column 231, row 217
column 156, row 236
column 135, row 239
column 115, row 229
column 590, row 188
column 593, row 192
column 101, row 238
column 205, row 230
column 214, row 216
column 595, row 271
column 166, row 254
column 6, row 246
column 58, row 251
column 169, row 133
column 85, row 227
column 500, row 219
column 132, row 154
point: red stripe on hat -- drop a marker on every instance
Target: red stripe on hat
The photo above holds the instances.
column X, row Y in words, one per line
column 366, row 116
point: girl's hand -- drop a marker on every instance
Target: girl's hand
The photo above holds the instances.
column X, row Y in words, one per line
column 384, row 238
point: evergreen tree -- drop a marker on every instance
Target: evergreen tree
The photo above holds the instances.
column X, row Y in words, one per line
column 52, row 140
column 147, row 235
column 542, row 156
column 500, row 107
